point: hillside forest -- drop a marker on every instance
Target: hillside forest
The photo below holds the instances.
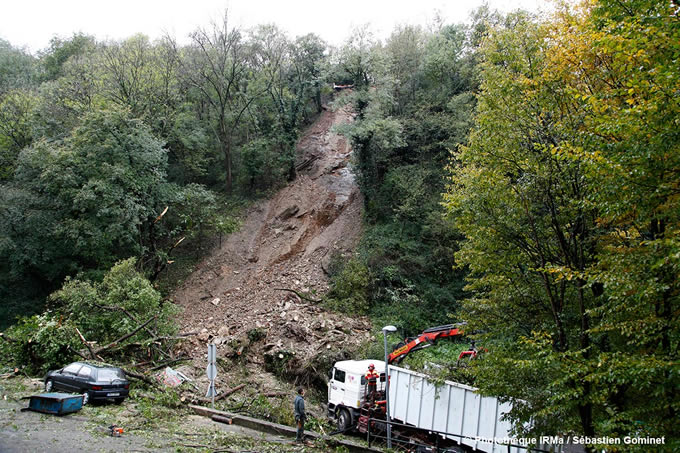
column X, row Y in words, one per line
column 519, row 173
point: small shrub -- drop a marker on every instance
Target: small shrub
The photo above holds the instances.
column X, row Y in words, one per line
column 350, row 291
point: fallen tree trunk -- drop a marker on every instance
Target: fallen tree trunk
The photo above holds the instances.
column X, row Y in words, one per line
column 141, row 377
column 221, row 419
column 223, row 395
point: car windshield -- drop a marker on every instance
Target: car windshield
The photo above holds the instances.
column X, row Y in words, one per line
column 109, row 374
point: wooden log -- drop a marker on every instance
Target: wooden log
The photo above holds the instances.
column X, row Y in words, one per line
column 168, row 363
column 222, row 419
column 141, row 377
column 275, row 394
column 223, row 395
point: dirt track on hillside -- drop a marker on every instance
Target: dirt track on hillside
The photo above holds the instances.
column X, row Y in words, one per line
column 286, row 242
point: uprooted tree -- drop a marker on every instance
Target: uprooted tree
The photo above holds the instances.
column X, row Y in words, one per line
column 121, row 316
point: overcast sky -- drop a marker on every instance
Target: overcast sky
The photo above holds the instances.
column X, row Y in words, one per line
column 31, row 23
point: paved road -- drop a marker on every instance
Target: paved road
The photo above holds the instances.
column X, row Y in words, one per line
column 23, row 432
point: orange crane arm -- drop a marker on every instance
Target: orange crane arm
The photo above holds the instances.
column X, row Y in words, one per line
column 424, row 340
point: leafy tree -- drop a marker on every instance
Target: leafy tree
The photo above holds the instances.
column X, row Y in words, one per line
column 102, row 312
column 564, row 200
column 83, row 204
column 216, row 66
column 529, row 231
column 308, row 60
column 629, row 144
column 16, row 109
column 17, row 68
column 60, row 51
column 40, row 343
column 359, row 61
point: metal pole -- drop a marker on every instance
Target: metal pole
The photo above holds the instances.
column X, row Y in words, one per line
column 387, row 394
column 368, row 432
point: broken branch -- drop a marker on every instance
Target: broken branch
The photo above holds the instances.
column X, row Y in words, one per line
column 301, row 296
column 125, row 337
column 85, row 342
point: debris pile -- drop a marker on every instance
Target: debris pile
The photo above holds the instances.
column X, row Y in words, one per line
column 257, row 296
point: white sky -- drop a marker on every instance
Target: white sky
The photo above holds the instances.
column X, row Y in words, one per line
column 31, row 23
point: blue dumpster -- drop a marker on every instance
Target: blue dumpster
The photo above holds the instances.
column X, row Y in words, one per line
column 56, row 403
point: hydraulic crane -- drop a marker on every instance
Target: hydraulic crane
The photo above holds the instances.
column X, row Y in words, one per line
column 424, row 340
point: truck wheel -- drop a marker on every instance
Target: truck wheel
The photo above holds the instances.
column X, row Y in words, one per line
column 344, row 420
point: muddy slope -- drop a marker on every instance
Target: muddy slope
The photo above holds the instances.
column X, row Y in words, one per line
column 286, row 242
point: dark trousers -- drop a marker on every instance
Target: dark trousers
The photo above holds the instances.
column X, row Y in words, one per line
column 300, row 429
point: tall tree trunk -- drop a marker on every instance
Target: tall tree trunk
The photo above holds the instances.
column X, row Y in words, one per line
column 228, row 165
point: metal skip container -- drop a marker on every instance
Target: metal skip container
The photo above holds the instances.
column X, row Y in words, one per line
column 449, row 407
column 55, row 403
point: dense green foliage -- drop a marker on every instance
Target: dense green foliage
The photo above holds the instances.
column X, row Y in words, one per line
column 567, row 196
column 111, row 150
column 413, row 106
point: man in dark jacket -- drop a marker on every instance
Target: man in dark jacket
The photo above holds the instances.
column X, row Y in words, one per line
column 300, row 415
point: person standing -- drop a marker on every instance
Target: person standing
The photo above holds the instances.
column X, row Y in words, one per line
column 300, row 415
column 371, row 383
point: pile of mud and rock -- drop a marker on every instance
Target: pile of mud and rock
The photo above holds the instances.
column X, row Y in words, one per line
column 257, row 295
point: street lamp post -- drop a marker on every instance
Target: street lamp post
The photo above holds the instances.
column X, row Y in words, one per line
column 387, row 385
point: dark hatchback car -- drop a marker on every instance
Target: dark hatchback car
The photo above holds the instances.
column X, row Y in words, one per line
column 94, row 382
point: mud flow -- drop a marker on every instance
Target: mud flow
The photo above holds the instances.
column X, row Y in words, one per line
column 237, row 296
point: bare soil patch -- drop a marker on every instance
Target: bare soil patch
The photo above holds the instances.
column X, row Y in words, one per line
column 236, row 296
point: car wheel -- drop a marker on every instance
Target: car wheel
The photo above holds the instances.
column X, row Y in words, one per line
column 86, row 398
column 118, row 400
column 49, row 385
column 344, row 420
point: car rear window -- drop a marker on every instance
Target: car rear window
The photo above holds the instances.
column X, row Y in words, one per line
column 110, row 374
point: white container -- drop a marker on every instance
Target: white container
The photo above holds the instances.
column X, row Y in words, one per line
column 451, row 408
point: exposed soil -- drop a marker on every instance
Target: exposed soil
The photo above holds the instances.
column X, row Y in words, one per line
column 286, row 242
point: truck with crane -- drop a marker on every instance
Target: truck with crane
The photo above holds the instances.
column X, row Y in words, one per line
column 426, row 412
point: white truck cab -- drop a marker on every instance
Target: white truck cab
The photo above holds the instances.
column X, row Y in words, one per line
column 347, row 389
